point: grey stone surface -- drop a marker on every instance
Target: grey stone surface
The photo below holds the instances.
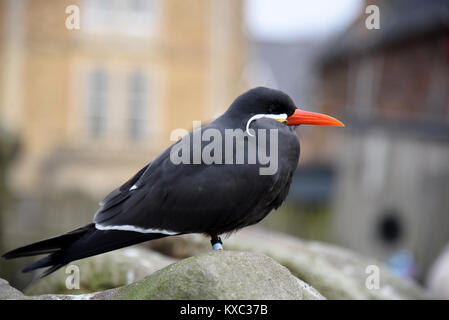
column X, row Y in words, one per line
column 215, row 275
column 220, row 275
column 438, row 277
column 9, row 293
column 337, row 273
column 102, row 272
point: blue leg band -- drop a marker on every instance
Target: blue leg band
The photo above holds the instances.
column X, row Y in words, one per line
column 216, row 243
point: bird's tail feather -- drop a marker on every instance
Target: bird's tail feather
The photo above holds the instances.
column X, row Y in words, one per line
column 80, row 243
column 48, row 245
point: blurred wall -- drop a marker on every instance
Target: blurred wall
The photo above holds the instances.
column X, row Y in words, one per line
column 74, row 95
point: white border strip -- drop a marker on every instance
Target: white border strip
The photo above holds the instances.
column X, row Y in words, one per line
column 127, row 227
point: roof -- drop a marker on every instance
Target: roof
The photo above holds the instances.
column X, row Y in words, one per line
column 400, row 21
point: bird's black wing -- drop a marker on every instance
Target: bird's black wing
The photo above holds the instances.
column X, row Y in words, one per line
column 190, row 198
column 117, row 196
column 121, row 193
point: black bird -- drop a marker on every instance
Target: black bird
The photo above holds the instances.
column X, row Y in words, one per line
column 167, row 198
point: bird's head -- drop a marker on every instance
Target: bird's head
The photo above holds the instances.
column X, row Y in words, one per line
column 265, row 102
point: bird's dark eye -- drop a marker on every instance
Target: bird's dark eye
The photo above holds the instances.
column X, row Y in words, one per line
column 270, row 110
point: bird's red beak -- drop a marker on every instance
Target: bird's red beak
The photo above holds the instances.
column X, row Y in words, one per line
column 306, row 117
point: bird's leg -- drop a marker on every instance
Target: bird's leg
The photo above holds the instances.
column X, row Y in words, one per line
column 216, row 243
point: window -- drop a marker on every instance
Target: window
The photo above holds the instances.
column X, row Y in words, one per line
column 137, row 105
column 137, row 18
column 97, row 86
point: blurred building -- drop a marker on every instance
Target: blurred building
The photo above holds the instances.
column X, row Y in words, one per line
column 95, row 104
column 391, row 87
